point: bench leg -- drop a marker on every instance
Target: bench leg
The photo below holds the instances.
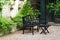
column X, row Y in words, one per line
column 32, row 30
column 46, row 29
column 37, row 29
column 43, row 30
column 23, row 30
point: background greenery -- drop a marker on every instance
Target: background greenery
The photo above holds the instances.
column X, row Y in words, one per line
column 55, row 7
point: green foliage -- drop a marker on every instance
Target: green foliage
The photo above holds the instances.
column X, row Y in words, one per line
column 55, row 7
column 2, row 2
column 6, row 25
column 26, row 10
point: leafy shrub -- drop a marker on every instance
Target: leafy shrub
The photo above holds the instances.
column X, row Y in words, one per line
column 26, row 10
column 6, row 25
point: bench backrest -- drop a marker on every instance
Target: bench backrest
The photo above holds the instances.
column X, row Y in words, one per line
column 30, row 20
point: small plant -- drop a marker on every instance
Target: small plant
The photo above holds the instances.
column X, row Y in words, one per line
column 6, row 25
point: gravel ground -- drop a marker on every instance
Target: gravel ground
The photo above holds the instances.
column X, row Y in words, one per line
column 53, row 35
